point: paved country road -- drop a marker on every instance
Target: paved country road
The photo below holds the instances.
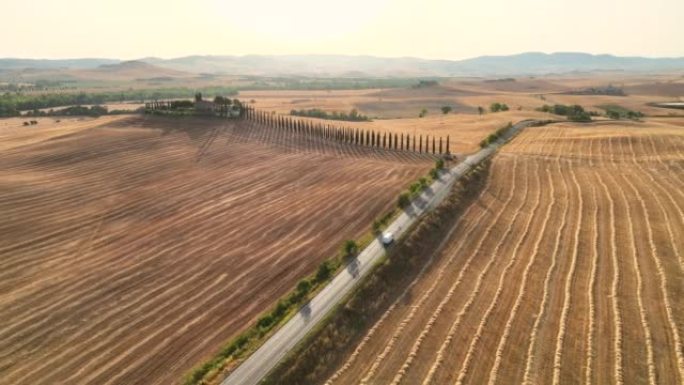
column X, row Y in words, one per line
column 261, row 362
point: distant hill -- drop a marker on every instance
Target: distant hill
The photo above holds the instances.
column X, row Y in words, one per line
column 110, row 70
column 135, row 69
column 531, row 63
column 20, row 64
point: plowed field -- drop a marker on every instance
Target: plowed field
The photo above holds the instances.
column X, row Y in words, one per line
column 132, row 248
column 568, row 269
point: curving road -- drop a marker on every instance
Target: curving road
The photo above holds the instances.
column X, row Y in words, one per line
column 261, row 362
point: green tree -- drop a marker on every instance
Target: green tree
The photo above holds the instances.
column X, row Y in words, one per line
column 324, row 271
column 350, row 248
column 495, row 107
column 446, row 109
column 304, row 286
column 423, row 112
column 613, row 114
column 504, row 107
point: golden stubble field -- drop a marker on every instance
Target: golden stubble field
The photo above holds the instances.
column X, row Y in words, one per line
column 568, row 269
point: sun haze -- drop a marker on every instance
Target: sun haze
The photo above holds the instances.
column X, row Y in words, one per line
column 446, row 29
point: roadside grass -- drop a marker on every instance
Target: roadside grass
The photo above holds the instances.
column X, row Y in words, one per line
column 325, row 348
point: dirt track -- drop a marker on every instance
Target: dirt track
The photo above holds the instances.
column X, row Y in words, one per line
column 568, row 269
column 134, row 249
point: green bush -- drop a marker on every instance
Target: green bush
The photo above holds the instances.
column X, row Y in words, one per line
column 350, row 248
column 324, row 271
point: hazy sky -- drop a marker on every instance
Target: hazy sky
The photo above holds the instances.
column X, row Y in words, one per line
column 447, row 29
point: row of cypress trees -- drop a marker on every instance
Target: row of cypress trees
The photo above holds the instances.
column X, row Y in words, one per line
column 371, row 138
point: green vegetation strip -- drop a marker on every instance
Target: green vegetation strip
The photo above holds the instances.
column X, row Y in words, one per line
column 250, row 340
column 618, row 112
column 493, row 137
column 12, row 103
column 325, row 348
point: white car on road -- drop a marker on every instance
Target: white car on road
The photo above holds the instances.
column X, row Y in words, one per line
column 387, row 239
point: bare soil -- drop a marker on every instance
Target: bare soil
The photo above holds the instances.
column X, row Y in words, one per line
column 133, row 248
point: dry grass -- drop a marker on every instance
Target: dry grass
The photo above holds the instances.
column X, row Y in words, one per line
column 552, row 298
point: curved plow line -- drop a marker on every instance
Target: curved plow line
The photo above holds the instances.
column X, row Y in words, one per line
column 567, row 295
column 494, row 372
column 452, row 330
column 352, row 358
column 592, row 289
column 592, row 277
column 91, row 295
column 617, row 343
column 640, row 290
column 376, row 364
column 662, row 208
column 663, row 283
column 541, row 311
column 465, row 368
column 416, row 346
column 665, row 167
column 433, row 318
column 105, row 351
column 426, row 329
column 675, row 175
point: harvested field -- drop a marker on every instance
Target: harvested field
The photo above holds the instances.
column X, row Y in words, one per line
column 133, row 248
column 569, row 268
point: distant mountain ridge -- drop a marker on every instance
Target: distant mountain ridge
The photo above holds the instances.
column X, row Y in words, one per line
column 530, row 63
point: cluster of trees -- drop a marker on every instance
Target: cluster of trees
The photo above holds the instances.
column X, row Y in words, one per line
column 284, row 83
column 93, row 111
column 608, row 90
column 574, row 113
column 446, row 109
column 12, row 103
column 425, row 84
column 617, row 112
column 352, row 116
column 496, row 107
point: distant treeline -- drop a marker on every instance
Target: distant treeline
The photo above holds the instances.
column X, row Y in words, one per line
column 259, row 84
column 12, row 103
column 426, row 84
column 94, row 111
column 352, row 116
column 608, row 90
